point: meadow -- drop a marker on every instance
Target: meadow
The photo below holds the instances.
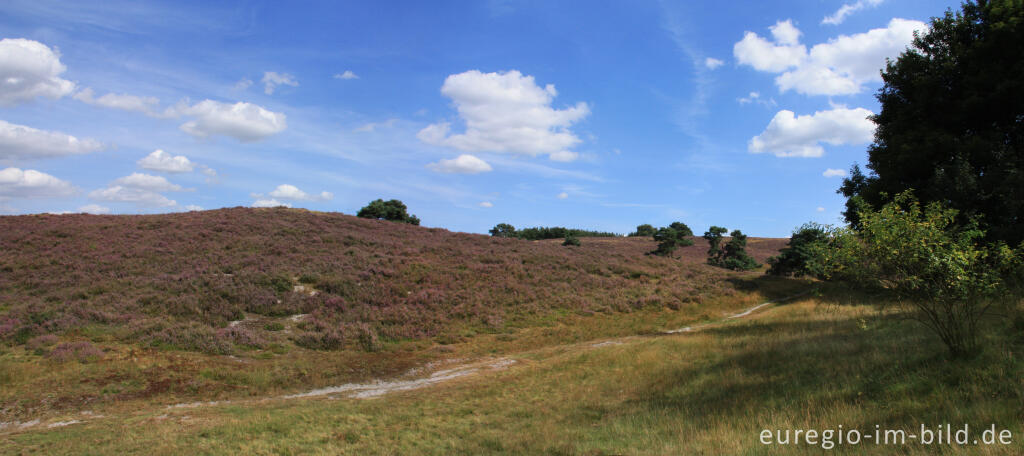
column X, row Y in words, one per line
column 186, row 333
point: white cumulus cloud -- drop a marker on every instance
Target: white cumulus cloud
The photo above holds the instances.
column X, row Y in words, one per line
column 145, row 105
column 713, row 63
column 29, row 183
column 506, row 112
column 788, row 135
column 291, row 192
column 847, row 9
column 840, row 66
column 30, row 69
column 21, row 142
column 463, row 164
column 348, row 74
column 245, row 122
column 269, row 203
column 138, row 188
column 147, row 182
column 833, row 172
column 159, row 160
column 139, row 196
column 94, row 209
column 272, row 79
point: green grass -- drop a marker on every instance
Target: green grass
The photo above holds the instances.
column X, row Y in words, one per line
column 813, row 363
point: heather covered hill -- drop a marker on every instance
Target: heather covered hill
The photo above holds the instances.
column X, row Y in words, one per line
column 180, row 280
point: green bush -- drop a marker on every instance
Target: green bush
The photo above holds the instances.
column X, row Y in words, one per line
column 503, row 230
column 733, row 255
column 571, row 240
column 671, row 237
column 795, row 258
column 940, row 270
column 392, row 210
column 644, row 230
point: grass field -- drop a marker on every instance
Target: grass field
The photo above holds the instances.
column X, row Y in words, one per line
column 810, row 363
column 563, row 377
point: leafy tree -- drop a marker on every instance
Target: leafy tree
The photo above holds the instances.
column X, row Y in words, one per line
column 932, row 264
column 950, row 125
column 556, row 232
column 571, row 240
column 733, row 255
column 714, row 237
column 643, row 230
column 503, row 230
column 794, row 259
column 393, row 210
column 672, row 237
column 682, row 229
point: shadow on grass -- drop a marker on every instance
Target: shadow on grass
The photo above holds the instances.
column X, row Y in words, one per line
column 800, row 370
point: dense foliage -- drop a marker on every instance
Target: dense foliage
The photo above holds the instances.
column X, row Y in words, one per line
column 503, row 230
column 796, row 258
column 733, row 255
column 178, row 280
column 571, row 240
column 391, row 210
column 544, row 232
column 643, row 230
column 940, row 268
column 950, row 125
column 671, row 237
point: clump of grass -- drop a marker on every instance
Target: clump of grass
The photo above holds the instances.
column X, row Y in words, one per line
column 274, row 326
column 81, row 351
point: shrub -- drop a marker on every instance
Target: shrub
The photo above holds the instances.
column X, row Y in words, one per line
column 643, row 230
column 938, row 269
column 391, row 210
column 733, row 255
column 242, row 336
column 672, row 237
column 794, row 260
column 274, row 326
column 76, row 351
column 368, row 338
column 571, row 240
column 503, row 230
column 327, row 340
column 192, row 337
column 38, row 344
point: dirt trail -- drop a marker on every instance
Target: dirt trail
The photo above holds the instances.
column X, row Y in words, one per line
column 412, row 380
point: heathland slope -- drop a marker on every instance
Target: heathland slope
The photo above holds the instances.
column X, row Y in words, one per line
column 179, row 280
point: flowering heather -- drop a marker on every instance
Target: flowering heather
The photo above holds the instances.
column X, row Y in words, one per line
column 75, row 351
column 179, row 279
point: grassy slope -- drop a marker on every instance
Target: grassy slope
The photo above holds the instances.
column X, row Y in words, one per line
column 804, row 364
column 156, row 293
column 810, row 363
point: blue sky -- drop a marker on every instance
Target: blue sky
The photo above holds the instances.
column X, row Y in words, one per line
column 599, row 115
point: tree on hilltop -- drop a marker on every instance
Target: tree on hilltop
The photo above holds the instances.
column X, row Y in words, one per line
column 392, row 210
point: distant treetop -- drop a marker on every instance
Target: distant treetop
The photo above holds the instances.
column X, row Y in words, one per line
column 393, row 210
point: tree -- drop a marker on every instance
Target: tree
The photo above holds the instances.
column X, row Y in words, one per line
column 671, row 237
column 643, row 230
column 950, row 125
column 393, row 210
column 932, row 264
column 571, row 240
column 796, row 257
column 733, row 255
column 503, row 230
column 714, row 238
